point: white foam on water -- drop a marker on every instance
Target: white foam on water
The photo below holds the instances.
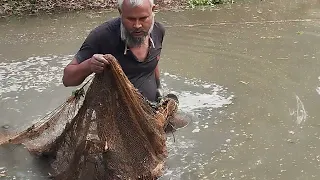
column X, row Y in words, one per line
column 196, row 130
column 299, row 112
column 318, row 88
column 180, row 150
column 215, row 96
column 171, row 75
column 190, row 101
column 198, row 98
column 35, row 73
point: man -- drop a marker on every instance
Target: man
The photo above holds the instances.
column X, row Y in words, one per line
column 134, row 39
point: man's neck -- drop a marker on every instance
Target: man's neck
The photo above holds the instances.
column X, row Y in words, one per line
column 145, row 43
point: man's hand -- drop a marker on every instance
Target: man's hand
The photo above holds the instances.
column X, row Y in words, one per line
column 159, row 95
column 98, row 63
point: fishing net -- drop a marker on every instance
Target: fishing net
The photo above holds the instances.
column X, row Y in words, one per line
column 113, row 133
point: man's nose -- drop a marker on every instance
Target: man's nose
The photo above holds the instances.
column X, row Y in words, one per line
column 137, row 24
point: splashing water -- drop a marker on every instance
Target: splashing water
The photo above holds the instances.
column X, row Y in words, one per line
column 300, row 112
column 35, row 73
column 199, row 99
column 196, row 95
column 318, row 88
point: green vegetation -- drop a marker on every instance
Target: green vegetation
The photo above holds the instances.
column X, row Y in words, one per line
column 196, row 3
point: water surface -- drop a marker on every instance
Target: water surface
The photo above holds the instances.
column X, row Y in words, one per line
column 247, row 73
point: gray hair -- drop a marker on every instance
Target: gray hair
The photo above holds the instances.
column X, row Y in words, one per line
column 134, row 3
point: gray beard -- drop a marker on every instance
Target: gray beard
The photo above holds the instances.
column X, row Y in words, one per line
column 133, row 41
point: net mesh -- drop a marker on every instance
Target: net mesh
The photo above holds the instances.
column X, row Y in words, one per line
column 113, row 133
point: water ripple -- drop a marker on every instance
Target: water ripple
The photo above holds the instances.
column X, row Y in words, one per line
column 35, row 73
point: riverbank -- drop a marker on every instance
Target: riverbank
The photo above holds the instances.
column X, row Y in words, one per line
column 36, row 7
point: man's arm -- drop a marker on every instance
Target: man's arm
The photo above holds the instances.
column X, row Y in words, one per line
column 157, row 76
column 87, row 60
column 74, row 73
column 157, row 70
column 159, row 92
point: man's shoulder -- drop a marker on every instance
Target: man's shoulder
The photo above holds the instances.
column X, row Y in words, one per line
column 160, row 27
column 108, row 28
column 158, row 31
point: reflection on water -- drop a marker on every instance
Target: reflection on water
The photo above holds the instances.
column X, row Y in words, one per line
column 34, row 73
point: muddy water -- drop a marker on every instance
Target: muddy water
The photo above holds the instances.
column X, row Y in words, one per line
column 247, row 73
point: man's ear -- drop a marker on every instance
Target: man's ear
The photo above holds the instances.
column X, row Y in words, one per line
column 154, row 8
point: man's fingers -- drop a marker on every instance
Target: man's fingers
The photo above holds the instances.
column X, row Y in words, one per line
column 100, row 58
column 97, row 68
column 97, row 63
column 105, row 61
column 99, row 71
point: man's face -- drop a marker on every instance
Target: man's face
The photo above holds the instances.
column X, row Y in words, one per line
column 137, row 22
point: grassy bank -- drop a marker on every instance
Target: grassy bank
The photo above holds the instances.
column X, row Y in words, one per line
column 32, row 7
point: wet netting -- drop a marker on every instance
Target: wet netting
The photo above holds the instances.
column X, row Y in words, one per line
column 111, row 133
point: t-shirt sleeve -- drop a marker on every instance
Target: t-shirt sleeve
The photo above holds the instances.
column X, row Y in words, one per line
column 162, row 31
column 88, row 48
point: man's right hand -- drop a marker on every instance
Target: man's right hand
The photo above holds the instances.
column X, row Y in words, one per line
column 98, row 63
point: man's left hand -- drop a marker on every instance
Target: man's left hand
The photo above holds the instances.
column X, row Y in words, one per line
column 159, row 95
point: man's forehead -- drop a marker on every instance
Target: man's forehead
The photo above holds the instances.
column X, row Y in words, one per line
column 135, row 3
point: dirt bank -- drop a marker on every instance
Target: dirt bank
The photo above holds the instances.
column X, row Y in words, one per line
column 32, row 7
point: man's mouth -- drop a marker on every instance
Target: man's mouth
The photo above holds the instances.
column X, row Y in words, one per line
column 137, row 33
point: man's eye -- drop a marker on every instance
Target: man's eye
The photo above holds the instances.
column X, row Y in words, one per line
column 143, row 19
